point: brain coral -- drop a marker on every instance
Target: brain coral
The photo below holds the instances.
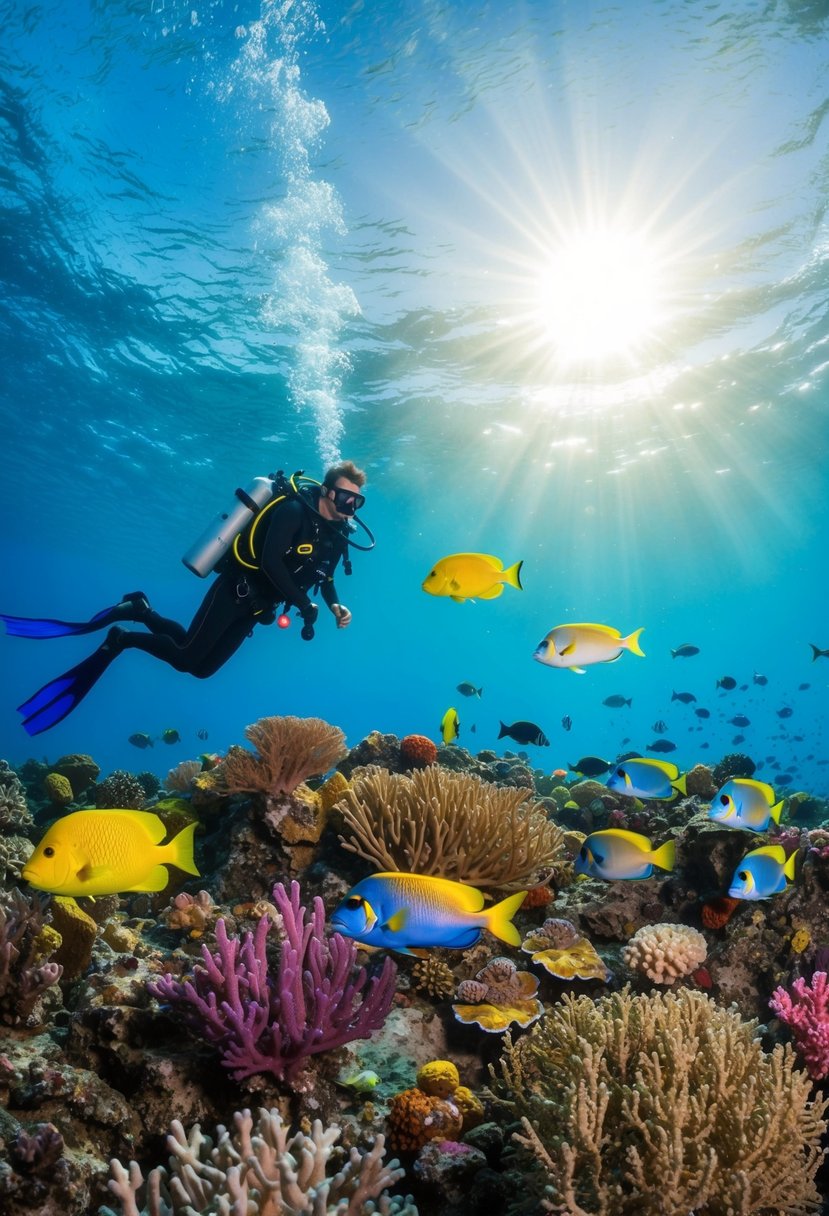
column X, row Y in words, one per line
column 665, row 953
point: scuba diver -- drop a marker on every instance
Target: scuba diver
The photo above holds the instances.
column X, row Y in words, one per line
column 283, row 538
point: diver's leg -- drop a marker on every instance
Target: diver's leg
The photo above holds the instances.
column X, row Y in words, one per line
column 133, row 607
column 224, row 648
column 219, row 613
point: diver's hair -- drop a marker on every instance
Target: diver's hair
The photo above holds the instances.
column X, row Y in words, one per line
column 347, row 469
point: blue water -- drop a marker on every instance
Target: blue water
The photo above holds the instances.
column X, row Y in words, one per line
column 238, row 237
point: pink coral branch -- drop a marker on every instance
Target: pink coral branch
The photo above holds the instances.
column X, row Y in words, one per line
column 261, row 1023
column 805, row 1010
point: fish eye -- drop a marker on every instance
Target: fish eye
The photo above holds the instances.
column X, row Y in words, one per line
column 48, row 851
column 433, row 573
column 583, row 853
column 724, row 799
column 353, row 901
column 620, row 772
column 743, row 875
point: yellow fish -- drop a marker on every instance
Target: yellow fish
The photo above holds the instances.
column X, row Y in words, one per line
column 467, row 576
column 578, row 646
column 450, row 726
column 107, row 852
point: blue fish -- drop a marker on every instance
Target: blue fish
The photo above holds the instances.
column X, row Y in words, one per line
column 406, row 912
column 616, row 854
column 641, row 777
column 762, row 873
column 745, row 803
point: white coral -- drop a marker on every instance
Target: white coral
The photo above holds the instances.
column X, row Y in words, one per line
column 665, row 953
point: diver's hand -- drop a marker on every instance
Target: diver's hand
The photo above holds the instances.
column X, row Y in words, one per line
column 342, row 614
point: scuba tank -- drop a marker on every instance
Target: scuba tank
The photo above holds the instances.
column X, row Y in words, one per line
column 204, row 555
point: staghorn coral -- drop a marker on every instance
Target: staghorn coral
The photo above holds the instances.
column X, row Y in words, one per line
column 14, row 811
column 288, row 751
column 260, row 1170
column 417, row 751
column 24, row 977
column 665, row 953
column 120, row 791
column 449, row 824
column 265, row 1024
column 660, row 1105
column 180, row 779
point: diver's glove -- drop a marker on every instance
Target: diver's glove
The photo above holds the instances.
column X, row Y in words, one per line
column 309, row 617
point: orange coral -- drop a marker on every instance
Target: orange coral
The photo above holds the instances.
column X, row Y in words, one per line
column 718, row 911
column 288, row 750
column 418, row 751
column 414, row 1118
column 538, row 897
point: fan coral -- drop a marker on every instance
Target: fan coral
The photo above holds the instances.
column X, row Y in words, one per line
column 805, row 1009
column 266, row 1024
column 23, row 976
column 260, row 1169
column 499, row 996
column 658, row 1105
column 418, row 751
column 449, row 824
column 14, row 811
column 288, row 751
column 180, row 778
column 57, row 789
column 665, row 953
column 560, row 949
column 120, row 791
column 432, row 975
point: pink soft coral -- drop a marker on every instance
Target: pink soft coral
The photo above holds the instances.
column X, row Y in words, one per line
column 805, row 1009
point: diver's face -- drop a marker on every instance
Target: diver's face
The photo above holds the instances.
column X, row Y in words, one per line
column 343, row 499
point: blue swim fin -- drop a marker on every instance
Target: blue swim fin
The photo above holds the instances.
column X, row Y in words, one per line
column 56, row 700
column 133, row 607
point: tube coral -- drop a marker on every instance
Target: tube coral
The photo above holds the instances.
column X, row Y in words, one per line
column 263, row 1023
column 288, row 751
column 449, row 824
column 260, row 1170
column 660, row 1105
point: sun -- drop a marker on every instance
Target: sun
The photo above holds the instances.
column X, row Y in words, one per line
column 599, row 295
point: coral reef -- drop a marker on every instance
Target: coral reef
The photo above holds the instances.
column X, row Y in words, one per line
column 453, row 825
column 288, row 751
column 805, row 1010
column 735, row 764
column 665, row 953
column 272, row 1024
column 79, row 769
column 14, row 810
column 260, row 1169
column 659, row 1105
column 180, row 779
column 24, row 975
column 120, row 790
column 15, row 851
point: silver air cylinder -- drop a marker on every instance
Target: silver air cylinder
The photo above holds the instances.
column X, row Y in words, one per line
column 203, row 556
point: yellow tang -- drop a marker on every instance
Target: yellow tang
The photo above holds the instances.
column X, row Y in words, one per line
column 450, row 726
column 107, row 852
column 466, row 576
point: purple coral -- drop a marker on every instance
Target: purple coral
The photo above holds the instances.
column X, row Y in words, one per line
column 805, row 1009
column 23, row 976
column 264, row 1023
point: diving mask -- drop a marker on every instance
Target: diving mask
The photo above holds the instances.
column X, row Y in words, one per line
column 346, row 501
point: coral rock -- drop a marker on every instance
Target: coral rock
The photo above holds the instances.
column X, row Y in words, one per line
column 718, row 911
column 77, row 931
column 699, row 781
column 80, row 770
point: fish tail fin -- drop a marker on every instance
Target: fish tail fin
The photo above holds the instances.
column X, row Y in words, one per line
column 665, row 855
column 673, row 654
column 632, row 642
column 679, row 784
column 502, row 731
column 629, row 702
column 777, row 810
column 180, row 850
column 817, row 653
column 512, row 575
column 790, row 868
column 499, row 918
column 480, row 691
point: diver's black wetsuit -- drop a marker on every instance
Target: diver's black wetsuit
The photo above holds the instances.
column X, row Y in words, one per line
column 238, row 599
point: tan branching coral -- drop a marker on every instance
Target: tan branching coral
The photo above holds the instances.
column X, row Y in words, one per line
column 180, row 779
column 661, row 1105
column 449, row 824
column 260, row 1168
column 665, row 953
column 288, row 751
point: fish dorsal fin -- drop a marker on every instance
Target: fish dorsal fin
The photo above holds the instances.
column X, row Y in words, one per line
column 608, row 630
column 151, row 823
column 762, row 786
column 635, row 838
column 775, row 851
column 670, row 770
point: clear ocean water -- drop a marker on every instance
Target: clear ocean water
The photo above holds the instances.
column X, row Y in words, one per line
column 554, row 273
